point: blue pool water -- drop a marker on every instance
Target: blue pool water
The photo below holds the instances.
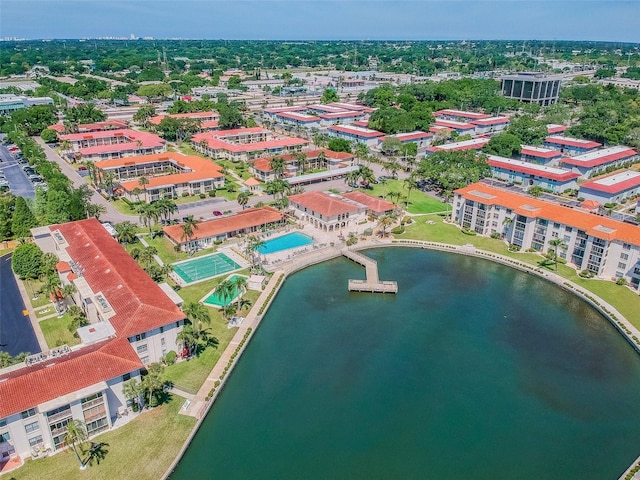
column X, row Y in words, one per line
column 286, row 242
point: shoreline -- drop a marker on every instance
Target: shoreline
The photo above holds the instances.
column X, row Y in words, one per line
column 615, row 318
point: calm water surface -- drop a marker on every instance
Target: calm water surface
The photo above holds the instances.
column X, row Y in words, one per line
column 473, row 370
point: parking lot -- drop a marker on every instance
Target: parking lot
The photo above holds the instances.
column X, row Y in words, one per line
column 12, row 174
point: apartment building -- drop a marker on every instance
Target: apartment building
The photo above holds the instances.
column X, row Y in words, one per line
column 607, row 248
column 533, row 175
column 106, row 144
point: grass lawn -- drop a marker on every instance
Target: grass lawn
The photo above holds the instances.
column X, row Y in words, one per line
column 420, row 202
column 622, row 298
column 32, row 286
column 44, row 312
column 189, row 376
column 143, row 448
column 123, row 207
column 56, row 331
column 168, row 254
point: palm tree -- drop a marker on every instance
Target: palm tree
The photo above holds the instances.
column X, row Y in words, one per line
column 226, row 291
column 240, row 287
column 152, row 382
column 557, row 244
column 361, row 151
column 303, row 161
column 136, row 191
column 351, row 178
column 132, row 390
column 146, row 256
column 366, row 175
column 243, row 199
column 108, row 180
column 254, row 243
column 384, row 223
column 91, row 168
column 277, row 164
column 507, row 222
column 189, row 227
column 143, row 182
column 410, row 184
column 242, row 304
column 65, row 146
column 125, row 232
column 95, row 210
column 197, row 313
column 148, row 214
column 188, row 337
column 78, row 318
column 76, row 434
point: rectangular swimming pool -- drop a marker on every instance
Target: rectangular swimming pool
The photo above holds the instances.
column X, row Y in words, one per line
column 202, row 268
column 286, row 242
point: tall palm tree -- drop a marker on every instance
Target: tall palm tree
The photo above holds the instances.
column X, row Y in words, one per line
column 197, row 313
column 76, row 434
column 361, row 151
column 243, row 199
column 143, row 182
column 148, row 214
column 240, row 287
column 188, row 337
column 410, row 184
column 95, row 210
column 277, row 164
column 108, row 181
column 189, row 227
column 557, row 244
column 384, row 222
column 147, row 256
column 254, row 243
column 366, row 175
column 152, row 382
column 226, row 291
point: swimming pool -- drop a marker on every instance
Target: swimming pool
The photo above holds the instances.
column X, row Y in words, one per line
column 202, row 268
column 286, row 242
column 215, row 300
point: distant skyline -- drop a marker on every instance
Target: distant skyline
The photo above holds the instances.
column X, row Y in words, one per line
column 598, row 20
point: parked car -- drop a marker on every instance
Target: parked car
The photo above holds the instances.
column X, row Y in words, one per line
column 217, row 213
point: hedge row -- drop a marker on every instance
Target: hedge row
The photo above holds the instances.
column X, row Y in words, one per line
column 229, row 364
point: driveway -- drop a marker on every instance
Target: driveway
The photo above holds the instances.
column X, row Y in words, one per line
column 16, row 331
column 18, row 182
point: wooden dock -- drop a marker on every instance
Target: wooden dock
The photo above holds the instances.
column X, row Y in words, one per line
column 372, row 284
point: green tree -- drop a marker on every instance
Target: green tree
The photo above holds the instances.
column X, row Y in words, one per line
column 243, row 199
column 75, row 436
column 226, row 290
column 189, row 227
column 365, row 175
column 339, row 145
column 49, row 135
column 152, row 383
column 144, row 113
column 504, row 145
column 277, row 164
column 329, row 95
column 125, row 232
column 240, row 287
column 27, row 261
column 197, row 314
column 133, row 391
column 23, row 219
column 155, row 92
column 557, row 244
column 452, row 170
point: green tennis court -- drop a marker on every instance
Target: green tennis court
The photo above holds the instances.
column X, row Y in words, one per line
column 202, row 268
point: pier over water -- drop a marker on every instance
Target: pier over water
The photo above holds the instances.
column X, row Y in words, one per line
column 373, row 283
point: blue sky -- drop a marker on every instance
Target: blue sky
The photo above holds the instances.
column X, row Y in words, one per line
column 610, row 20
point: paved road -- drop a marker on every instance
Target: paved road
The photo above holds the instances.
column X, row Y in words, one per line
column 16, row 332
column 18, row 181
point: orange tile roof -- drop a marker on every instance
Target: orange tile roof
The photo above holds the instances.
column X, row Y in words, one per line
column 376, row 205
column 202, row 115
column 263, row 164
column 201, row 169
column 251, row 217
column 323, row 203
column 139, row 303
column 30, row 386
column 595, row 225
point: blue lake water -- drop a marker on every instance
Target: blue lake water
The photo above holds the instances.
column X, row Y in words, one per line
column 473, row 371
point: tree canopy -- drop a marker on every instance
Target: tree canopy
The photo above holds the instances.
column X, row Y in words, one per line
column 452, row 170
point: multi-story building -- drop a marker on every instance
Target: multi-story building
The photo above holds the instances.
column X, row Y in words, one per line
column 605, row 247
column 10, row 102
column 473, row 144
column 244, row 144
column 613, row 188
column 106, row 144
column 133, row 323
column 532, row 87
column 540, row 155
column 570, row 146
column 597, row 161
column 533, row 175
column 454, row 125
column 296, row 163
column 491, row 125
column 327, row 211
column 93, row 127
column 459, row 115
column 208, row 120
column 356, row 134
column 168, row 174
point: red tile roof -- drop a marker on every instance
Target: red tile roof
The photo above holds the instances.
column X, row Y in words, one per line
column 595, row 225
column 600, row 157
column 461, row 114
column 541, row 171
column 473, row 144
column 300, row 117
column 91, row 127
column 411, row 136
column 139, row 303
column 251, row 217
column 356, row 131
column 551, row 128
column 323, row 203
column 455, row 125
column 540, row 152
column 572, row 142
column 218, row 140
column 202, row 115
column 374, row 204
column 615, row 183
column 484, row 122
column 30, row 386
column 264, row 164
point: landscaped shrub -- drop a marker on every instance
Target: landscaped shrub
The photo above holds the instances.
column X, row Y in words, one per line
column 621, row 281
column 586, row 274
column 398, row 230
column 185, row 194
column 466, row 231
column 514, row 248
column 495, row 235
column 170, row 357
column 202, row 195
column 212, row 193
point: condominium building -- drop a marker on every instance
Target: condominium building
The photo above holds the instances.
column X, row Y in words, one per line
column 327, row 211
column 533, row 175
column 598, row 161
column 570, row 146
column 168, row 174
column 106, row 144
column 297, row 163
column 356, row 134
column 613, row 188
column 473, row 144
column 243, row 144
column 93, row 127
column 540, row 155
column 605, row 247
column 133, row 323
column 532, row 87
column 208, row 120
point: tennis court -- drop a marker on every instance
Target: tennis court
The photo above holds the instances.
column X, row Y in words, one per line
column 203, row 268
